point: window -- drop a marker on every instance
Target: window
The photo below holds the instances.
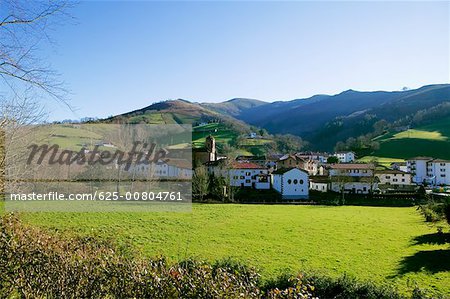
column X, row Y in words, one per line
column 403, row 180
column 295, row 181
column 301, row 182
column 388, row 177
column 289, row 181
column 442, row 175
column 242, row 177
column 247, row 173
column 247, row 181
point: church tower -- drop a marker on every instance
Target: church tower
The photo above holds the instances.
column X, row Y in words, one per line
column 211, row 148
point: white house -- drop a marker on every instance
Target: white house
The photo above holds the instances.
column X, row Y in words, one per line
column 246, row 174
column 319, row 183
column 252, row 135
column 315, row 156
column 345, row 157
column 394, row 177
column 291, row 183
column 438, row 171
column 418, row 168
column 357, row 185
column 241, row 174
column 167, row 168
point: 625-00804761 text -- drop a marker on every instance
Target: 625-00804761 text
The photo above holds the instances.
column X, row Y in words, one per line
column 98, row 195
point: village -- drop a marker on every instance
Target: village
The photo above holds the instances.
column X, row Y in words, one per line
column 294, row 176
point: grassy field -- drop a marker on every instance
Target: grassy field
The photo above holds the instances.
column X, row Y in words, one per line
column 221, row 133
column 386, row 162
column 379, row 244
column 431, row 140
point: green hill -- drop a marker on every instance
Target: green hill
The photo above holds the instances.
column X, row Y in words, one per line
column 429, row 140
column 205, row 119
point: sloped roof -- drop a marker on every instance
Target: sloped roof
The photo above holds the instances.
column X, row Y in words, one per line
column 440, row 161
column 180, row 163
column 421, row 158
column 391, row 171
column 284, row 170
column 352, row 166
column 246, row 165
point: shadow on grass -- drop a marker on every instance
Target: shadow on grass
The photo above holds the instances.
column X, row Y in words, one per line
column 435, row 239
column 432, row 261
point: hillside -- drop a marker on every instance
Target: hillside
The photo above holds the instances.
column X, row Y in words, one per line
column 324, row 120
column 429, row 140
column 225, row 128
column 234, row 107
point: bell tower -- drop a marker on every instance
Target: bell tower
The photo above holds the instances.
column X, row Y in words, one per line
column 211, row 148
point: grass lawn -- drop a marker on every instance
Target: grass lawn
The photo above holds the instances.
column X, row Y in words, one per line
column 371, row 243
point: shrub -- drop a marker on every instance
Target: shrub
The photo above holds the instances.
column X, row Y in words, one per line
column 447, row 213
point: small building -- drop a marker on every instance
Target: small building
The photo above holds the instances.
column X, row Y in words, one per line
column 252, row 135
column 291, row 183
column 399, row 166
column 355, row 185
column 345, row 157
column 392, row 177
column 240, row 174
column 246, row 174
column 319, row 183
column 289, row 161
column 315, row 156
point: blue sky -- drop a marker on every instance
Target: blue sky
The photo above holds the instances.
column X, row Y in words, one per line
column 120, row 56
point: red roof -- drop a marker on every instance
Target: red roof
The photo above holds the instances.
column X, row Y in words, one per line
column 246, row 165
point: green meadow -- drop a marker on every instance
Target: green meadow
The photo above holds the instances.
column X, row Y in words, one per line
column 385, row 245
column 431, row 140
column 221, row 133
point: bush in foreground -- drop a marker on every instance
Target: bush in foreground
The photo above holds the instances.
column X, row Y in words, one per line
column 38, row 264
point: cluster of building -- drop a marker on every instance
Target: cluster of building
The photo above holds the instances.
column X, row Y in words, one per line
column 294, row 175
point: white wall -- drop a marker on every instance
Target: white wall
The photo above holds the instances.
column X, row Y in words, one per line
column 292, row 184
column 419, row 170
column 357, row 187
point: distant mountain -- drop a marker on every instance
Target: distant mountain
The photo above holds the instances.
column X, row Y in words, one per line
column 178, row 112
column 234, row 107
column 323, row 120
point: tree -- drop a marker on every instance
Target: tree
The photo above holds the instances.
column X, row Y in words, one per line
column 200, row 182
column 24, row 27
column 447, row 213
column 332, row 160
column 341, row 179
column 24, row 78
column 289, row 143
